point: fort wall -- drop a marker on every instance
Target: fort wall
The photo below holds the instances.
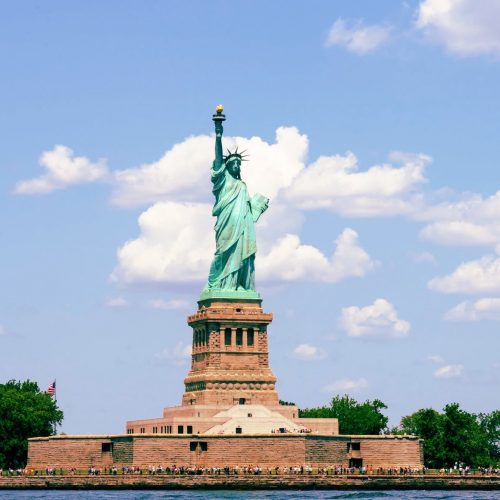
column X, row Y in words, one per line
column 220, row 451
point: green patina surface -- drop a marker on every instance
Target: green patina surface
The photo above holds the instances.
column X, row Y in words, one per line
column 208, row 294
column 232, row 273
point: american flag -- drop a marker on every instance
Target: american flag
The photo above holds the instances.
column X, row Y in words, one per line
column 51, row 389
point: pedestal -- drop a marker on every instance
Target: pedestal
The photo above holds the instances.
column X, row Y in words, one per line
column 230, row 357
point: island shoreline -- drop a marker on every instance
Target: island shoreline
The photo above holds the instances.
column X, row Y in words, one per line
column 264, row 482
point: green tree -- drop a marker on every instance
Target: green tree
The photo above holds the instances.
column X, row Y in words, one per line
column 490, row 423
column 428, row 425
column 464, row 439
column 455, row 436
column 354, row 417
column 25, row 412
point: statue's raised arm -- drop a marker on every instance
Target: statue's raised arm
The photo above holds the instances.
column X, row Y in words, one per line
column 232, row 270
column 218, row 118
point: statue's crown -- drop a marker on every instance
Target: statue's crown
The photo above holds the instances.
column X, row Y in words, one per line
column 235, row 154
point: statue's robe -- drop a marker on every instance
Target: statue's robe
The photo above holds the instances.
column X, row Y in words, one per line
column 233, row 264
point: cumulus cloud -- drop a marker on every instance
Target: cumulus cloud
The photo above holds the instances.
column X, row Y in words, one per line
column 449, row 371
column 358, row 38
column 379, row 318
column 289, row 260
column 347, row 385
column 178, row 355
column 308, row 352
column 167, row 305
column 63, row 169
column 482, row 309
column 180, row 172
column 176, row 245
column 116, row 302
column 445, row 370
column 464, row 27
column 334, row 183
column 183, row 172
column 277, row 170
column 278, row 221
column 475, row 276
column 472, row 220
column 459, row 233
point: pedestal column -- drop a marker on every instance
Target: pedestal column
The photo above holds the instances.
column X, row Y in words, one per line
column 237, row 374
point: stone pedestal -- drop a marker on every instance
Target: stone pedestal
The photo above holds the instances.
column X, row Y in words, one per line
column 230, row 357
column 230, row 388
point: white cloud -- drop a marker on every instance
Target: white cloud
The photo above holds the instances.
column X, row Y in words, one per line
column 358, row 38
column 379, row 318
column 179, row 354
column 449, row 371
column 436, row 358
column 472, row 220
column 168, row 304
column 308, row 352
column 63, row 170
column 486, row 308
column 176, row 242
column 277, row 170
column 459, row 233
column 347, row 384
column 475, row 276
column 176, row 245
column 289, row 260
column 183, row 173
column 278, row 221
column 445, row 371
column 464, row 27
column 116, row 302
column 333, row 183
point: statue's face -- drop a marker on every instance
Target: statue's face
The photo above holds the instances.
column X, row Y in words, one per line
column 234, row 169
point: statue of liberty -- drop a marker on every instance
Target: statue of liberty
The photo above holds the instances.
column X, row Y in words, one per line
column 232, row 272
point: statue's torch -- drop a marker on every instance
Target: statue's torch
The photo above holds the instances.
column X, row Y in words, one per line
column 218, row 117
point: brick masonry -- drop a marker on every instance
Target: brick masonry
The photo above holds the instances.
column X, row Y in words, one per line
column 230, row 366
column 230, row 356
column 266, row 450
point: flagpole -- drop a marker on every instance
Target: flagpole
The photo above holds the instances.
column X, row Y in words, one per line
column 55, row 401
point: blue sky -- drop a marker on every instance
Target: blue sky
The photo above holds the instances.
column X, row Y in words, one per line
column 373, row 128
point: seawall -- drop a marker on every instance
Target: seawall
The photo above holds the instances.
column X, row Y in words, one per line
column 143, row 450
column 248, row 482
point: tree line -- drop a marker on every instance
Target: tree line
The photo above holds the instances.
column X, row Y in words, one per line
column 450, row 437
column 25, row 411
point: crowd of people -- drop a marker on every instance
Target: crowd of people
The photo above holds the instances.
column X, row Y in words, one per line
column 285, row 430
column 466, row 470
column 249, row 470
